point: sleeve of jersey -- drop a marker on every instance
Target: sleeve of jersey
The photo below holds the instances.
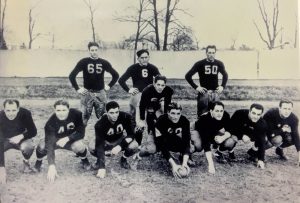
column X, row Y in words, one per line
column 156, row 71
column 79, row 130
column 186, row 134
column 114, row 75
column 143, row 103
column 50, row 142
column 74, row 73
column 261, row 141
column 224, row 74
column 200, row 126
column 130, row 132
column 99, row 146
column 123, row 79
column 160, row 141
column 30, row 126
column 168, row 99
column 295, row 135
column 2, row 139
column 272, row 128
column 234, row 127
column 189, row 76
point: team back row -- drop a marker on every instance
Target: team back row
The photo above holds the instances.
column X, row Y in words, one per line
column 154, row 123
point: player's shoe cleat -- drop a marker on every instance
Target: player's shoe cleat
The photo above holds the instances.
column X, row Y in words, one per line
column 26, row 167
column 232, row 156
column 124, row 163
column 86, row 164
column 37, row 166
column 252, row 155
column 220, row 157
column 280, row 153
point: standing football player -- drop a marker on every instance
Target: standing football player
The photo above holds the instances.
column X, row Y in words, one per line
column 63, row 130
column 209, row 89
column 172, row 133
column 213, row 128
column 249, row 126
column 283, row 128
column 93, row 92
column 16, row 132
column 142, row 74
column 154, row 102
column 115, row 132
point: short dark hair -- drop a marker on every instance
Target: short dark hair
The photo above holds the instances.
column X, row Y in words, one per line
column 211, row 47
column 11, row 101
column 111, row 105
column 61, row 102
column 285, row 101
column 140, row 52
column 212, row 105
column 90, row 44
column 257, row 106
column 174, row 105
column 160, row 77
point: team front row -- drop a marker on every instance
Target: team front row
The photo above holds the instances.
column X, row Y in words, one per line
column 117, row 131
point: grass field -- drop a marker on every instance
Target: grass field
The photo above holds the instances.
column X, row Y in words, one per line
column 152, row 182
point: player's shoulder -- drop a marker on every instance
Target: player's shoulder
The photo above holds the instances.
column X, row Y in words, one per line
column 75, row 112
column 184, row 119
column 51, row 121
column 271, row 112
column 218, row 61
column 226, row 114
column 168, row 89
column 124, row 115
column 24, row 112
column 294, row 117
column 104, row 61
column 149, row 88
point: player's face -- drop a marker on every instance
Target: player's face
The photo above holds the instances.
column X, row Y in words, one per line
column 211, row 52
column 285, row 110
column 174, row 115
column 61, row 112
column 113, row 114
column 11, row 111
column 159, row 86
column 255, row 114
column 94, row 52
column 143, row 59
column 218, row 112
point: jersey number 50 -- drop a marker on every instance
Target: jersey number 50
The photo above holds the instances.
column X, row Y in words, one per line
column 211, row 69
column 91, row 68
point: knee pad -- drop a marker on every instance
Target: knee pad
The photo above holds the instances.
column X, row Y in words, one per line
column 229, row 143
column 276, row 140
column 78, row 147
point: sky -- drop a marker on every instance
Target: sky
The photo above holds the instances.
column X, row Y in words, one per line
column 213, row 21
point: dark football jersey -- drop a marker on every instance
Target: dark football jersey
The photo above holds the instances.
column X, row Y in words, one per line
column 22, row 124
column 173, row 135
column 56, row 129
column 276, row 122
column 240, row 125
column 208, row 74
column 150, row 99
column 141, row 76
column 111, row 132
column 93, row 73
column 208, row 127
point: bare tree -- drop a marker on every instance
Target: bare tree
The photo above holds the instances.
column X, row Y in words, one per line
column 2, row 29
column 270, row 23
column 92, row 10
column 296, row 33
column 155, row 40
column 32, row 20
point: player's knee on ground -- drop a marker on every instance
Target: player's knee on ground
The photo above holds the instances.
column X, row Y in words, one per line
column 196, row 140
column 41, row 149
column 78, row 147
column 276, row 140
column 27, row 148
column 148, row 149
column 132, row 148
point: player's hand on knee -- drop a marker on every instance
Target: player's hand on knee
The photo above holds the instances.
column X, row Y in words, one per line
column 106, row 87
column 52, row 173
column 218, row 139
column 116, row 150
column 101, row 173
column 133, row 91
column 2, row 175
column 16, row 139
column 202, row 90
column 62, row 142
column 287, row 129
column 82, row 91
column 260, row 164
column 246, row 138
column 141, row 124
column 211, row 169
column 219, row 89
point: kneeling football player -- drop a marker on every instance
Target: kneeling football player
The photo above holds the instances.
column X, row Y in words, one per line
column 115, row 132
column 213, row 129
column 16, row 132
column 283, row 128
column 63, row 130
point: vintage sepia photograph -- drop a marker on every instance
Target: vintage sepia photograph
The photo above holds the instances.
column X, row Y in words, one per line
column 159, row 101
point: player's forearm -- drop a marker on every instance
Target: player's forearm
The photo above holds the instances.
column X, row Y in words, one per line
column 122, row 81
column 209, row 159
column 76, row 136
column 72, row 78
column 2, row 161
column 189, row 79
column 115, row 77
